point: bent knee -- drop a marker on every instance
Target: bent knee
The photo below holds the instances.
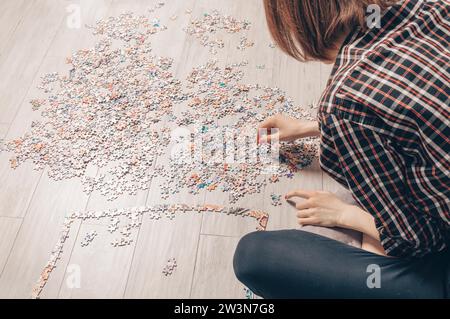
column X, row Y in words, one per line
column 245, row 261
column 258, row 252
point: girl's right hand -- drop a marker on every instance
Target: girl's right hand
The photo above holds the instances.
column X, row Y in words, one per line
column 289, row 129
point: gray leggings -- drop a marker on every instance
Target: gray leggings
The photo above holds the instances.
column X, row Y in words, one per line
column 298, row 264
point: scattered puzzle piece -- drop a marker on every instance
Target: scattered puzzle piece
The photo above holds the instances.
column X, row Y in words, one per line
column 88, row 238
column 275, row 200
column 129, row 215
column 170, row 267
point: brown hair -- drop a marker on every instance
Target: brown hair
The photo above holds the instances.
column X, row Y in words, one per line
column 309, row 29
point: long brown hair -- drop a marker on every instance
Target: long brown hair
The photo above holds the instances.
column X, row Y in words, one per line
column 309, row 29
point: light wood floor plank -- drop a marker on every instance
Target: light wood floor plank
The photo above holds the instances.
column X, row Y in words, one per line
column 214, row 276
column 8, row 232
column 69, row 38
column 12, row 13
column 19, row 184
column 23, row 59
column 161, row 240
column 158, row 242
column 103, row 268
column 3, row 129
column 38, row 236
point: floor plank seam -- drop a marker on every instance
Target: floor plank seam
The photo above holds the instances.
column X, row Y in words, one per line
column 197, row 251
column 21, row 223
column 137, row 240
column 11, row 217
column 36, row 74
column 73, row 247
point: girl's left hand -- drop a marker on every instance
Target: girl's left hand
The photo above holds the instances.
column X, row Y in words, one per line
column 319, row 208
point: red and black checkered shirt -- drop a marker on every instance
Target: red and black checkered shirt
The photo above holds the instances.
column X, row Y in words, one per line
column 384, row 119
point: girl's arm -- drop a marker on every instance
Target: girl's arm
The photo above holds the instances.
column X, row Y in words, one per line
column 326, row 209
column 289, row 129
column 359, row 220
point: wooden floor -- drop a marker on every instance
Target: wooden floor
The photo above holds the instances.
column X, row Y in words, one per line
column 34, row 40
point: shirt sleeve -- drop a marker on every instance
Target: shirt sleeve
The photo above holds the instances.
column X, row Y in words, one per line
column 377, row 176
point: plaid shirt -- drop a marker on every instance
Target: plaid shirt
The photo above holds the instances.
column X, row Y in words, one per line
column 384, row 119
